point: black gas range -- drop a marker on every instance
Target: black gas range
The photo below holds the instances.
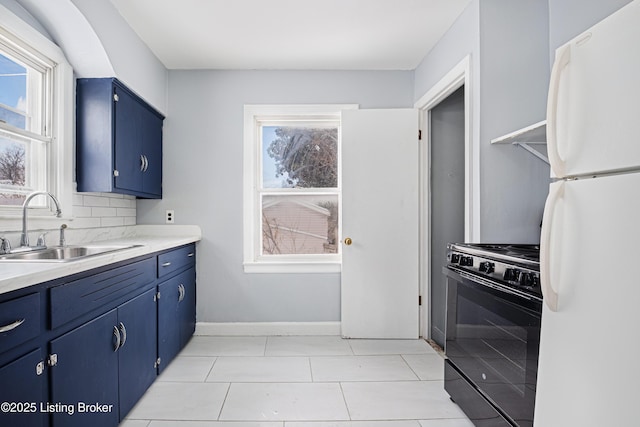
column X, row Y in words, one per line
column 494, row 310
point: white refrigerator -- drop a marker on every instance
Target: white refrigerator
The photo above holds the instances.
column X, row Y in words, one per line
column 589, row 366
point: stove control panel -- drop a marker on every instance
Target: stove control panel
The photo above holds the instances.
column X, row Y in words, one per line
column 526, row 278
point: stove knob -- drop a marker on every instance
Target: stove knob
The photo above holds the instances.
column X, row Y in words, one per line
column 524, row 279
column 511, row 274
column 466, row 261
column 535, row 281
column 487, row 267
column 529, row 280
column 455, row 258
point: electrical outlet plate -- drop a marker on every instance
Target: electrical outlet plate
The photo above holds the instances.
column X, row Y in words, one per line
column 170, row 216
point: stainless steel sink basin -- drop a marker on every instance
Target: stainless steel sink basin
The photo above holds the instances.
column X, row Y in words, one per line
column 64, row 253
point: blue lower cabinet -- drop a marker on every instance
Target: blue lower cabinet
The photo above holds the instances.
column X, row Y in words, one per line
column 103, row 367
column 176, row 315
column 137, row 354
column 86, row 373
column 82, row 352
column 23, row 391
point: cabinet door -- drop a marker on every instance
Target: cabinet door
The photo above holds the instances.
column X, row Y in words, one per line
column 151, row 134
column 87, row 372
column 23, row 385
column 168, row 324
column 137, row 355
column 176, row 315
column 127, row 142
column 187, row 307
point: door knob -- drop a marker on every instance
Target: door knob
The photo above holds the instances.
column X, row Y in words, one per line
column 348, row 241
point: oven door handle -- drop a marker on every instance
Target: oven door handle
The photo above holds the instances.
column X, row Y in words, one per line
column 550, row 296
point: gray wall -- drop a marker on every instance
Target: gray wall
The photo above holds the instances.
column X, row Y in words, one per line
column 203, row 182
column 508, row 44
column 514, row 76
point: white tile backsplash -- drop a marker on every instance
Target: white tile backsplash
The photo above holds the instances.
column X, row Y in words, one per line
column 91, row 212
column 103, row 210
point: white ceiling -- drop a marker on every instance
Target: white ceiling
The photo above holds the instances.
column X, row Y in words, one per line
column 291, row 34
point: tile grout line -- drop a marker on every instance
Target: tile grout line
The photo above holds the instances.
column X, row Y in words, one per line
column 310, row 369
column 223, row 402
column 344, row 399
column 215, row 360
column 411, row 368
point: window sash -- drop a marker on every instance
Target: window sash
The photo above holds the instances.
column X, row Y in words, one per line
column 39, row 86
column 307, row 121
column 48, row 83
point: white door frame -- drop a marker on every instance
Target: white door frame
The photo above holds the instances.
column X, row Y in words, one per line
column 458, row 76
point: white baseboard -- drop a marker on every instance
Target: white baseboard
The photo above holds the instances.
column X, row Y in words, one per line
column 267, row 328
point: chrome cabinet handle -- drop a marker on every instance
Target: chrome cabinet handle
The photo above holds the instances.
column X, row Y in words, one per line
column 166, row 264
column 116, row 333
column 141, row 163
column 11, row 326
column 124, row 334
column 181, row 292
column 190, row 254
column 146, row 163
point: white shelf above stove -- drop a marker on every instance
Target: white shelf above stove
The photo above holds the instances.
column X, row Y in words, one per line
column 536, row 134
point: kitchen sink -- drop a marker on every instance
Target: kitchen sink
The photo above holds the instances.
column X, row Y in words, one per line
column 63, row 253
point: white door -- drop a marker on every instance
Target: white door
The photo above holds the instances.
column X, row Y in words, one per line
column 594, row 95
column 380, row 220
column 588, row 371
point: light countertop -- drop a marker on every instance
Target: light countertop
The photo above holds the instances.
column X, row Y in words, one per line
column 21, row 274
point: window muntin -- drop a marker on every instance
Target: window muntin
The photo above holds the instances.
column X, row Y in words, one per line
column 25, row 117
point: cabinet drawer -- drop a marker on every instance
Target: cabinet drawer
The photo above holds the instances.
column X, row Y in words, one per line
column 19, row 321
column 176, row 260
column 79, row 297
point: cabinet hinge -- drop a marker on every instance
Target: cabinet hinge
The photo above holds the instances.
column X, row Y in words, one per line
column 115, row 97
column 419, row 135
column 116, row 173
column 419, row 299
column 158, row 361
column 40, row 368
column 52, row 360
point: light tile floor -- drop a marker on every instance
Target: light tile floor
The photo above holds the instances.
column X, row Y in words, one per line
column 300, row 382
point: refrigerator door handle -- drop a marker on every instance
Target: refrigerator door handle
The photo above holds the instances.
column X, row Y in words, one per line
column 562, row 60
column 550, row 296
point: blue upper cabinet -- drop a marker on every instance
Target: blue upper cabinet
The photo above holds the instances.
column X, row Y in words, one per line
column 119, row 140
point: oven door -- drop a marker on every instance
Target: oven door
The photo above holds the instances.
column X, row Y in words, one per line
column 492, row 339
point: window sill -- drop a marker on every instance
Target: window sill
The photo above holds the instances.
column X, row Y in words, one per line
column 292, row 267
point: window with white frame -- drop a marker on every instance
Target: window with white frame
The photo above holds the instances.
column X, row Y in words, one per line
column 292, row 188
column 35, row 102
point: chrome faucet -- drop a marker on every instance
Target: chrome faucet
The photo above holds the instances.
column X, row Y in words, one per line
column 24, row 237
column 62, row 242
column 5, row 246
